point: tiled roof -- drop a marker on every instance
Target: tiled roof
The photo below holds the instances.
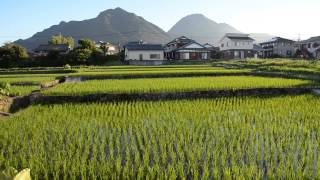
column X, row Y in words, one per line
column 312, row 39
column 238, row 36
column 257, row 47
column 144, row 47
column 277, row 39
column 211, row 47
column 182, row 39
column 52, row 47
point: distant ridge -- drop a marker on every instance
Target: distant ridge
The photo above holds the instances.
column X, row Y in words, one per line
column 201, row 29
column 119, row 26
column 113, row 25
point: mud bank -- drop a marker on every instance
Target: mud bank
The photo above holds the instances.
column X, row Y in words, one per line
column 259, row 92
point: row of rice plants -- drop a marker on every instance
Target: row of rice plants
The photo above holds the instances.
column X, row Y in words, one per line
column 163, row 85
column 159, row 71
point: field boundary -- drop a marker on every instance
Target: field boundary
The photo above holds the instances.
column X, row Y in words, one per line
column 42, row 99
column 77, row 78
column 142, row 76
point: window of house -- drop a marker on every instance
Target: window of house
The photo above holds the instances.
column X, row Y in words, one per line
column 185, row 56
column 204, row 56
column 154, row 56
column 227, row 44
column 289, row 53
column 222, row 45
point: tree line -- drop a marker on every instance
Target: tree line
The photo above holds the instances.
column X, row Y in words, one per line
column 84, row 53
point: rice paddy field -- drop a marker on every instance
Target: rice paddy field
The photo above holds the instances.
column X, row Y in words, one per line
column 228, row 138
column 240, row 137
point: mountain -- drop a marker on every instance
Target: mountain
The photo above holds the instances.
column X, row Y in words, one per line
column 113, row 25
column 261, row 37
column 201, row 29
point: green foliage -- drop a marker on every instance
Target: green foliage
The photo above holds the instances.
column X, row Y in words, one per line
column 81, row 55
column 225, row 138
column 62, row 40
column 87, row 44
column 8, row 174
column 12, row 174
column 11, row 51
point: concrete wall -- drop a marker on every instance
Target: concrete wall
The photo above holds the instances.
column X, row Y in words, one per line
column 135, row 55
column 147, row 62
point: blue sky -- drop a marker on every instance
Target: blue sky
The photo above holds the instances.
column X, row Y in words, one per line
column 288, row 18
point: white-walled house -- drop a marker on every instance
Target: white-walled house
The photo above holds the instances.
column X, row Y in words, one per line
column 237, row 46
column 143, row 52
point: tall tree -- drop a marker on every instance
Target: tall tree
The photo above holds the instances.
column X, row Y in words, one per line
column 59, row 39
column 104, row 47
column 87, row 44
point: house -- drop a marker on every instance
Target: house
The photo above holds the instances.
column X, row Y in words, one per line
column 140, row 51
column 237, row 46
column 258, row 50
column 108, row 48
column 278, row 47
column 45, row 49
column 214, row 51
column 184, row 48
column 311, row 46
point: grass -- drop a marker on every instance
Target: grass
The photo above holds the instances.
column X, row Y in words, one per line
column 298, row 68
column 145, row 71
column 22, row 90
column 26, row 79
column 163, row 85
column 245, row 138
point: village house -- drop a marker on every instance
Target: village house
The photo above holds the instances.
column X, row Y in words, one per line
column 259, row 51
column 214, row 51
column 311, row 45
column 141, row 51
column 45, row 49
column 278, row 47
column 237, row 46
column 184, row 48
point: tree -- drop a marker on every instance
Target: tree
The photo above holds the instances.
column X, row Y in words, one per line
column 62, row 40
column 81, row 55
column 104, row 47
column 87, row 44
column 12, row 51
